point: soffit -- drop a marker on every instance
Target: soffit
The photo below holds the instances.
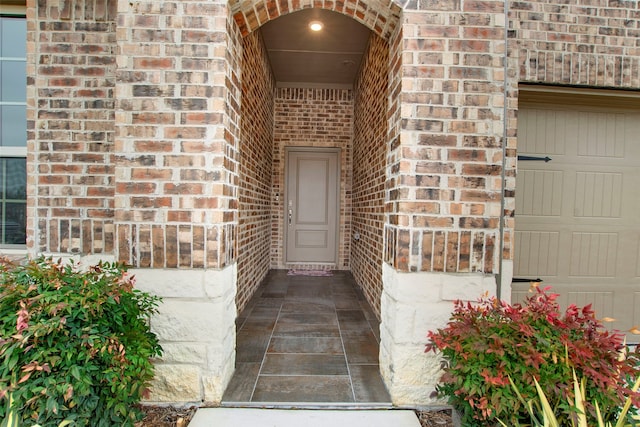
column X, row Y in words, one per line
column 327, row 58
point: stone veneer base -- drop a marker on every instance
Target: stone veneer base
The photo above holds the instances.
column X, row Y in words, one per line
column 412, row 305
column 196, row 328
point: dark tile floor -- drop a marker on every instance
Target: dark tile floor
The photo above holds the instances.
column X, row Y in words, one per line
column 305, row 339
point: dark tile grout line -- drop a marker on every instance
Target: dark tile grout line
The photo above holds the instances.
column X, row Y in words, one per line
column 264, row 357
column 344, row 353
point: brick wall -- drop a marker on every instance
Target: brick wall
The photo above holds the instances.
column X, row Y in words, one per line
column 177, row 131
column 72, row 73
column 168, row 171
column 369, row 169
column 586, row 42
column 176, row 162
column 394, row 124
column 445, row 171
column 256, row 159
column 312, row 118
column 228, row 205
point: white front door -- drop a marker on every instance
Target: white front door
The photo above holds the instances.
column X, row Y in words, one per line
column 311, row 205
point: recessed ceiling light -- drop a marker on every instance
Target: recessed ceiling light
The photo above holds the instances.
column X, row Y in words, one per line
column 316, row 25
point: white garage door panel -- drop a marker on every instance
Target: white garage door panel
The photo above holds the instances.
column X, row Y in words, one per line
column 541, row 192
column 541, row 134
column 578, row 216
column 601, row 134
column 540, row 249
column 594, row 255
column 598, row 194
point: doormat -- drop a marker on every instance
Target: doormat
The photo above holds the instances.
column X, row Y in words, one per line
column 309, row 273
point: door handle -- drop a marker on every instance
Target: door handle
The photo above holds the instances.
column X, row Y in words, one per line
column 290, row 215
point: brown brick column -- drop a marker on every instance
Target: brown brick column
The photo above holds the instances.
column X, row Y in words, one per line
column 444, row 177
column 176, row 183
column 176, row 140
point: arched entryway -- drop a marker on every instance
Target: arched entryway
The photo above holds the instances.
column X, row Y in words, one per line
column 278, row 116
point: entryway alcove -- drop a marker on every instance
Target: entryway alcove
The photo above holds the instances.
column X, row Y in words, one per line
column 312, row 171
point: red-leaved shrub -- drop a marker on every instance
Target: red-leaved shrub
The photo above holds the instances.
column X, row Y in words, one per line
column 488, row 342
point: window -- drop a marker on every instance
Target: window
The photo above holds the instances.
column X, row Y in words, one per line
column 13, row 130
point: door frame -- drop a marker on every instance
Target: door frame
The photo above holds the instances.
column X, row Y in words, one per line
column 287, row 150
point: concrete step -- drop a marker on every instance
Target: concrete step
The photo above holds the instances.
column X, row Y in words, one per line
column 255, row 417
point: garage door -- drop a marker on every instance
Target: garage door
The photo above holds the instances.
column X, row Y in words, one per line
column 578, row 215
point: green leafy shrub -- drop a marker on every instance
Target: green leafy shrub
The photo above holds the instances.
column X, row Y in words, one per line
column 487, row 343
column 75, row 346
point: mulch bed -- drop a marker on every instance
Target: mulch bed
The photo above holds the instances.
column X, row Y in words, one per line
column 440, row 418
column 167, row 416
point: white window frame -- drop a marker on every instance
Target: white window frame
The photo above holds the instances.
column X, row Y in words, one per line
column 21, row 12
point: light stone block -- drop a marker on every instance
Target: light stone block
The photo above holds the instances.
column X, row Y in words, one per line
column 211, row 284
column 184, row 353
column 411, row 375
column 413, row 324
column 215, row 383
column 218, row 355
column 171, row 283
column 176, row 384
column 414, row 367
column 88, row 260
column 406, row 395
column 466, row 287
column 83, row 262
column 411, row 286
column 216, row 284
column 180, row 320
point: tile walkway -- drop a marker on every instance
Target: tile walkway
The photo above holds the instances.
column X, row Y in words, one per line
column 307, row 340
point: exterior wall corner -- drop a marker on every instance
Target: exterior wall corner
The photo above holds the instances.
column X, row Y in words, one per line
column 412, row 305
column 196, row 328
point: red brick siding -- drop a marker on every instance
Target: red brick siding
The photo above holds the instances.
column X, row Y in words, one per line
column 177, row 135
column 134, row 115
column 393, row 139
column 313, row 118
column 70, row 112
column 588, row 42
column 232, row 120
column 450, row 126
column 256, row 160
column 369, row 169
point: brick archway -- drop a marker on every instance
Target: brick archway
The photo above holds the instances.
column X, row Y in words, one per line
column 381, row 18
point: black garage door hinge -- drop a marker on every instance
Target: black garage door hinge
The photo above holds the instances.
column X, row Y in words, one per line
column 523, row 280
column 544, row 159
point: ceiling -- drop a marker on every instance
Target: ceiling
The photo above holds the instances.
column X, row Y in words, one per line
column 327, row 58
